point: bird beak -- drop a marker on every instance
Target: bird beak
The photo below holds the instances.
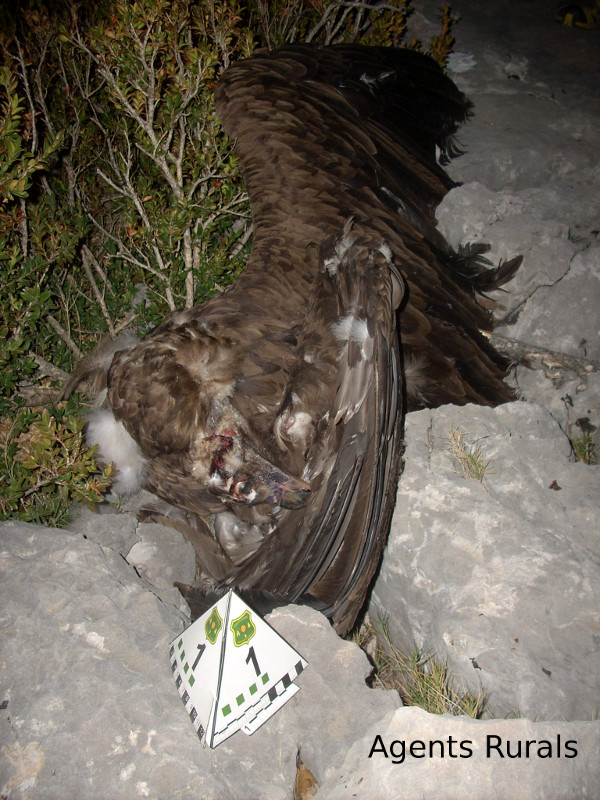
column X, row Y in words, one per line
column 283, row 490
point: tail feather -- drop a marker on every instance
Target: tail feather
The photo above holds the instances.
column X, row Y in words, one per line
column 472, row 265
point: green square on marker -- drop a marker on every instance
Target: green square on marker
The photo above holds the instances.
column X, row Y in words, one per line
column 253, row 689
column 239, row 699
column 192, row 680
column 226, row 710
column 265, row 678
column 186, row 666
column 180, row 644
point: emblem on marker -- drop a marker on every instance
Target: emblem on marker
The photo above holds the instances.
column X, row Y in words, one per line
column 243, row 629
column 229, row 686
column 213, row 625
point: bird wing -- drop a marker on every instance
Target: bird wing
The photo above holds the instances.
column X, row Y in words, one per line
column 328, row 554
column 328, row 133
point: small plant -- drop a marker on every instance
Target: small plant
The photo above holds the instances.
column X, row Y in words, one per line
column 441, row 46
column 422, row 681
column 584, row 447
column 468, row 456
column 45, row 467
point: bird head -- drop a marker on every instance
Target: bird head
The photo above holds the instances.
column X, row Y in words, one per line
column 232, row 469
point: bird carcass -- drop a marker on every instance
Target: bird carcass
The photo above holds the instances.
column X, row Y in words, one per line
column 269, row 419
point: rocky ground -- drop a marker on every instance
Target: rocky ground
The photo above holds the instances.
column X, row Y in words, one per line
column 499, row 576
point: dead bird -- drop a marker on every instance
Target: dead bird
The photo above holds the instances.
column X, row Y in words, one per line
column 271, row 416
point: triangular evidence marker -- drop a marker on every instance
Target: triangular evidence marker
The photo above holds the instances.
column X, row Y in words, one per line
column 232, row 670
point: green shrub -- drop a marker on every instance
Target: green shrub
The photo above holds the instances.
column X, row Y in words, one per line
column 120, row 196
column 46, row 467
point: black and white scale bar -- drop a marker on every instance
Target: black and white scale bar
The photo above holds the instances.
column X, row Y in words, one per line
column 251, row 712
column 283, row 683
column 187, row 702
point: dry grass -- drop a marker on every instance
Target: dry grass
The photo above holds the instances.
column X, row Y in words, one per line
column 419, row 679
column 469, row 456
column 584, row 448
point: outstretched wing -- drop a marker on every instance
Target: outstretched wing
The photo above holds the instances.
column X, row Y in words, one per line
column 328, row 133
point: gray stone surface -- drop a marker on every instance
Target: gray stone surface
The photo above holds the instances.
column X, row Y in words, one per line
column 499, row 577
column 554, row 300
column 505, row 221
column 90, row 707
column 457, row 758
column 158, row 554
column 565, row 317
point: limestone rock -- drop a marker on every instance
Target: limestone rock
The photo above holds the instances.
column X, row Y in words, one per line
column 502, row 577
column 411, row 754
column 511, row 225
column 551, row 306
column 565, row 317
column 89, row 704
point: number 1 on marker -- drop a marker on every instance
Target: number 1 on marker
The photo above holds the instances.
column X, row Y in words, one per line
column 252, row 657
column 201, row 649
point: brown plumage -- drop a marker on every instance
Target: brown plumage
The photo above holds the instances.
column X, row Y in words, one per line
column 271, row 416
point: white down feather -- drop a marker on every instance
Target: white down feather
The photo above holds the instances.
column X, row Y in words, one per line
column 116, row 445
